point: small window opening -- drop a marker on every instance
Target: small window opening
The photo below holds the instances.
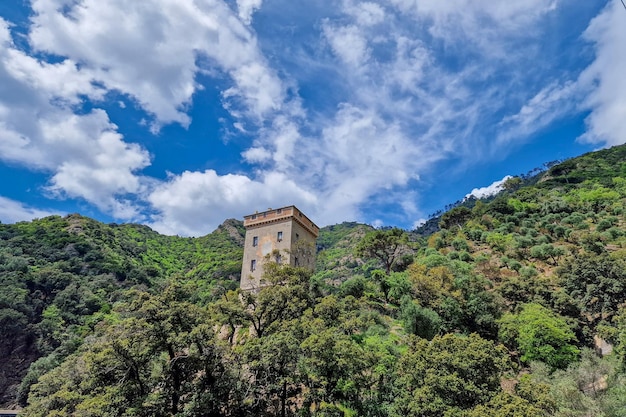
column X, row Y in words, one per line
column 279, row 237
column 255, row 241
column 253, row 265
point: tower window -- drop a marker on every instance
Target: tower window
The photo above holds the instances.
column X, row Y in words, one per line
column 278, row 258
column 255, row 241
column 253, row 265
column 279, row 237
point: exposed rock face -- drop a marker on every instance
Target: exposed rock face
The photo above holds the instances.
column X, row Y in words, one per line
column 235, row 230
column 603, row 347
column 75, row 224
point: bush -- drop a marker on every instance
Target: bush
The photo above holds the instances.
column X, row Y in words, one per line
column 614, row 233
column 460, row 244
column 465, row 256
column 528, row 272
column 355, row 287
column 606, row 224
column 474, row 234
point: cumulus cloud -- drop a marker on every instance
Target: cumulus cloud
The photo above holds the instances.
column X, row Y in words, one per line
column 405, row 107
column 196, row 202
column 152, row 50
column 489, row 190
column 84, row 154
column 104, row 167
column 604, row 78
column 247, row 9
column 377, row 223
column 366, row 13
column 418, row 223
column 12, row 211
column 348, row 44
column 361, row 154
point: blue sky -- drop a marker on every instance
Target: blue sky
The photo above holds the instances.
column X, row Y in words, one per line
column 180, row 114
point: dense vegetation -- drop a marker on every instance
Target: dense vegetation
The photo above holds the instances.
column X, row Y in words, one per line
column 495, row 314
column 59, row 277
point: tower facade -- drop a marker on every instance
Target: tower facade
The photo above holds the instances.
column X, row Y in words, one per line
column 283, row 235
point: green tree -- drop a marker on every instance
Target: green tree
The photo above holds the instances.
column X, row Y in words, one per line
column 500, row 242
column 230, row 312
column 512, row 184
column 385, row 246
column 420, row 321
column 447, row 375
column 507, row 405
column 274, row 384
column 285, row 297
column 455, row 217
column 159, row 357
column 547, row 251
column 540, row 334
column 597, row 282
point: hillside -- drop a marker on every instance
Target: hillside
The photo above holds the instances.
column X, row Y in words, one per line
column 59, row 276
column 495, row 314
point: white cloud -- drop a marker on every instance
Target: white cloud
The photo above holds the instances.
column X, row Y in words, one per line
column 257, row 155
column 85, row 155
column 247, row 9
column 404, row 107
column 366, row 13
column 259, row 89
column 12, row 211
column 552, row 102
column 483, row 24
column 377, row 224
column 489, row 190
column 150, row 51
column 196, row 202
column 409, row 83
column 412, row 61
column 605, row 78
column 418, row 223
column 359, row 156
column 348, row 44
column 104, row 167
column 153, row 49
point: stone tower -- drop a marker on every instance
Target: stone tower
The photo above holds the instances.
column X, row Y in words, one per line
column 283, row 235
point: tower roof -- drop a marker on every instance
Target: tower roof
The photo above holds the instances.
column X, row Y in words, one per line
column 279, row 215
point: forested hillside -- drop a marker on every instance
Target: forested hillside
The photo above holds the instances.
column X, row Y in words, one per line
column 496, row 314
column 60, row 276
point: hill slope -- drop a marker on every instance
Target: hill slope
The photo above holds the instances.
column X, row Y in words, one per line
column 494, row 314
column 59, row 275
